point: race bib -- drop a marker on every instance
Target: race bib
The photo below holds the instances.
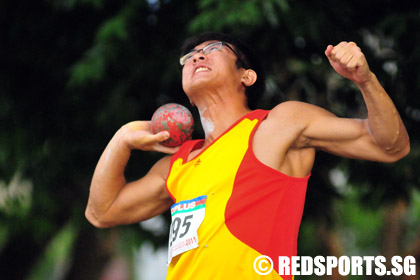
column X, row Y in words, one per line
column 187, row 216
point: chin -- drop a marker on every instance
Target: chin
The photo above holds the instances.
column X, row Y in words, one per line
column 197, row 86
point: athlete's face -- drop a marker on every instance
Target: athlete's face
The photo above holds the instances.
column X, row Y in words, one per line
column 214, row 69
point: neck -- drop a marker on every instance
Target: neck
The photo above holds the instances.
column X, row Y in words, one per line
column 218, row 114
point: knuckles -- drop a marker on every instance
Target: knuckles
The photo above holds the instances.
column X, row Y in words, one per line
column 345, row 47
column 341, row 52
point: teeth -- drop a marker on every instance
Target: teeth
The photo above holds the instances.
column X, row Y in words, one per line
column 202, row 69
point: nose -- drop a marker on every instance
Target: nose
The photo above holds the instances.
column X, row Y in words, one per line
column 199, row 56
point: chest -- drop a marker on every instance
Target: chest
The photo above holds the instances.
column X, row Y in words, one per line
column 203, row 171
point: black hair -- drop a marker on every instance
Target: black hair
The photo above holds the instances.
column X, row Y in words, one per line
column 245, row 53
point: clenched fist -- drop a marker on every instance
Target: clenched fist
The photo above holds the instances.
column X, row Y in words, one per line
column 349, row 61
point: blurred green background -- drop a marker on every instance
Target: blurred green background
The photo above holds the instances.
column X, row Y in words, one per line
column 74, row 71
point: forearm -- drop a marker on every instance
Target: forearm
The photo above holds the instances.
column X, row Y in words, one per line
column 108, row 178
column 385, row 124
column 109, row 192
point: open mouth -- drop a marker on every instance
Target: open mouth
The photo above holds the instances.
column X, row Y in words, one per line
column 201, row 69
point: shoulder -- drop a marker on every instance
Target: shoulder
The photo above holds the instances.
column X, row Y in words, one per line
column 282, row 131
column 297, row 112
column 296, row 118
column 285, row 123
column 296, row 107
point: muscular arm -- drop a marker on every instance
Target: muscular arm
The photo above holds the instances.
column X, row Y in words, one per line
column 380, row 137
column 351, row 138
column 112, row 200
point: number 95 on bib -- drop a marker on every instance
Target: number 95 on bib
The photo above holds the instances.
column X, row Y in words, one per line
column 187, row 216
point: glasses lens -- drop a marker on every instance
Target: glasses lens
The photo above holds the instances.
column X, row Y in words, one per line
column 206, row 50
column 212, row 47
column 186, row 57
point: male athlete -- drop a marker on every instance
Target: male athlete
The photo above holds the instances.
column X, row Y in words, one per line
column 239, row 193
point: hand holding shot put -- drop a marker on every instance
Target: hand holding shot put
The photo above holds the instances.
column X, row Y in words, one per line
column 252, row 167
column 175, row 119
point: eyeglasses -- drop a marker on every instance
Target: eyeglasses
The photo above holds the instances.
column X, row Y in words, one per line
column 209, row 49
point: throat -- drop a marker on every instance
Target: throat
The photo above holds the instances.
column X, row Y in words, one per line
column 208, row 125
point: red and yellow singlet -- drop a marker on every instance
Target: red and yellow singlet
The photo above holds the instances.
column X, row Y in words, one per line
column 246, row 209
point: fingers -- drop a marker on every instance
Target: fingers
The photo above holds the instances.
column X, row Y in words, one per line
column 348, row 54
column 161, row 136
column 147, row 141
column 328, row 51
column 137, row 135
column 355, row 61
column 349, row 61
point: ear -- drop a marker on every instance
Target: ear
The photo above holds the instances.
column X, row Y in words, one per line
column 249, row 77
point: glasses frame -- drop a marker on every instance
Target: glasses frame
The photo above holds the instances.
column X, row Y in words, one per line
column 208, row 49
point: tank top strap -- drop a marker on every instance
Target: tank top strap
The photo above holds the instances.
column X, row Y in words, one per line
column 258, row 114
column 186, row 148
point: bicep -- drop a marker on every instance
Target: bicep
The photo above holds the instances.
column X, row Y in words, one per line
column 144, row 198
